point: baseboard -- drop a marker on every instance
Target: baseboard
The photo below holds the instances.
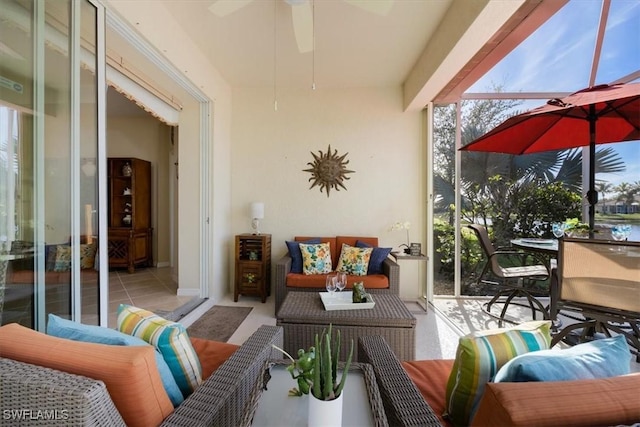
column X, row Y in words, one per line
column 188, row 292
column 163, row 264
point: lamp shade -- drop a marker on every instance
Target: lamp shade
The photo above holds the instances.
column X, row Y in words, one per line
column 257, row 210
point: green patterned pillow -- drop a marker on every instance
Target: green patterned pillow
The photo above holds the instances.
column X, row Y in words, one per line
column 479, row 357
column 170, row 338
column 63, row 258
column 354, row 261
column 87, row 255
column 316, row 259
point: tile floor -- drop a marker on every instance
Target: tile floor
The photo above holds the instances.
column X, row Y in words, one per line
column 151, row 288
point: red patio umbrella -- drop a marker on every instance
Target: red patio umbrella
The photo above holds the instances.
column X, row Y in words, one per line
column 596, row 115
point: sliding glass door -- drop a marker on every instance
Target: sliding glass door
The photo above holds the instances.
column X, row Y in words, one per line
column 49, row 143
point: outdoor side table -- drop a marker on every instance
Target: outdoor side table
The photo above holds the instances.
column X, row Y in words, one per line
column 270, row 404
column 302, row 316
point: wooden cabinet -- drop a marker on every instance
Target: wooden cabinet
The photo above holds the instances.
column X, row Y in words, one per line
column 253, row 265
column 130, row 229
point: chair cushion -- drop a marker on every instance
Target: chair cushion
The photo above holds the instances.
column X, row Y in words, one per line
column 606, row 357
column 212, row 354
column 430, row 377
column 316, row 259
column 354, row 260
column 296, row 255
column 377, row 257
column 479, row 357
column 170, row 338
column 599, row 402
column 63, row 328
column 129, row 372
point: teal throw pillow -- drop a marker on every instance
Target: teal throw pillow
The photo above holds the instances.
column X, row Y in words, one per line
column 602, row 358
column 63, row 328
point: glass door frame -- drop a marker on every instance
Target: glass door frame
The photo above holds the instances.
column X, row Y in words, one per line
column 39, row 26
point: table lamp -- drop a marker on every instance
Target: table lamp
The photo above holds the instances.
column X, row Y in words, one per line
column 257, row 213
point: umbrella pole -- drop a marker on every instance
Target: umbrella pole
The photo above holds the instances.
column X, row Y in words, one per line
column 592, row 194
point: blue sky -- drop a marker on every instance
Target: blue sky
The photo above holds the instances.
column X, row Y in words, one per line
column 558, row 58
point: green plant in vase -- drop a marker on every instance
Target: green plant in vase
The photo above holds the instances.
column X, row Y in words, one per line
column 316, row 370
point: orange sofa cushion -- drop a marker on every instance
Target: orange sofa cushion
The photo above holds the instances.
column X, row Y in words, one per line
column 370, row 281
column 129, row 372
column 430, row 377
column 598, row 402
column 212, row 354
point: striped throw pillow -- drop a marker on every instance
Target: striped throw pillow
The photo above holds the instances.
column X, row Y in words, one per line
column 479, row 357
column 170, row 338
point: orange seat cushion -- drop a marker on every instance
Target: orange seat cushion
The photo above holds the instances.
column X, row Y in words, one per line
column 212, row 354
column 370, row 281
column 596, row 402
column 129, row 372
column 431, row 376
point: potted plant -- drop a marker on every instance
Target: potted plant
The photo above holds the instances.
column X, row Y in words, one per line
column 316, row 372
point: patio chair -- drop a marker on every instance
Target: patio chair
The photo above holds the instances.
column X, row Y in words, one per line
column 514, row 274
column 596, row 287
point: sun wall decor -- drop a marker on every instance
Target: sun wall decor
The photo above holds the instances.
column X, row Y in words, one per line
column 328, row 170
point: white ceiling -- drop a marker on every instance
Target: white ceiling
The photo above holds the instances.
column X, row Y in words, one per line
column 433, row 49
column 354, row 47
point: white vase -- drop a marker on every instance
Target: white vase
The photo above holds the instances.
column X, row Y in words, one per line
column 325, row 413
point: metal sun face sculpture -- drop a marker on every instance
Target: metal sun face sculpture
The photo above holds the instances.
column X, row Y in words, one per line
column 328, row 171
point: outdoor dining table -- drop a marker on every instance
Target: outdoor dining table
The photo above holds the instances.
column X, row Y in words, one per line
column 545, row 246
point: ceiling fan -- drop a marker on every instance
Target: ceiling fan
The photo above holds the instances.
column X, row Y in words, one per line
column 302, row 15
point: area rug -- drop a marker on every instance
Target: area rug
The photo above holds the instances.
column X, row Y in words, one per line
column 218, row 323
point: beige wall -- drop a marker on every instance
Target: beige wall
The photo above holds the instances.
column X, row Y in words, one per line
column 148, row 139
column 386, row 149
column 259, row 154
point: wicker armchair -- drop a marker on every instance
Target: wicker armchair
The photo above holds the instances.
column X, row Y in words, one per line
column 219, row 401
column 403, row 403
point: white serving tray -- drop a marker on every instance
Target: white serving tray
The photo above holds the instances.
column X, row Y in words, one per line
column 343, row 301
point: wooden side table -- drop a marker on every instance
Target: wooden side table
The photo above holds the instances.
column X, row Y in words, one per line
column 253, row 265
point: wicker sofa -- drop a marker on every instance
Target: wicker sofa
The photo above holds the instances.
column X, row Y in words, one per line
column 61, row 398
column 607, row 401
column 285, row 280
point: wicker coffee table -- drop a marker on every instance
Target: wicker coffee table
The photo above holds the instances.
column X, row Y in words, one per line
column 302, row 316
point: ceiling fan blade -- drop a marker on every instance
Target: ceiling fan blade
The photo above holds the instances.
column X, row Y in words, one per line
column 379, row 7
column 227, row 7
column 302, row 17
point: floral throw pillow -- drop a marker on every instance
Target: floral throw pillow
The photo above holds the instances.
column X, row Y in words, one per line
column 63, row 258
column 354, row 261
column 316, row 259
